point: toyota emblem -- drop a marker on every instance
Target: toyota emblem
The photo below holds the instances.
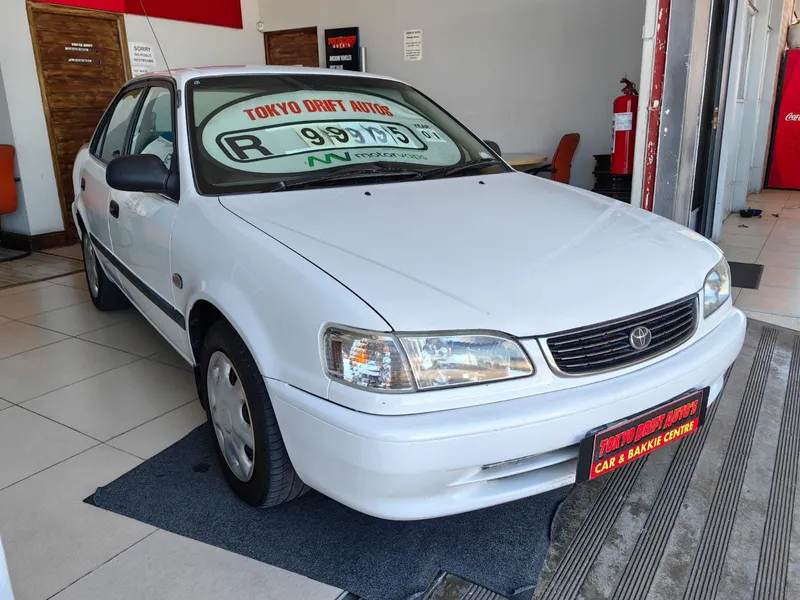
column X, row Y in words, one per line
column 640, row 338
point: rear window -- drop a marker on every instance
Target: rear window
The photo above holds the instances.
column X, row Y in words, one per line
column 250, row 133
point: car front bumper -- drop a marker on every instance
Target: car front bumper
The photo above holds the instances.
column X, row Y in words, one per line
column 435, row 464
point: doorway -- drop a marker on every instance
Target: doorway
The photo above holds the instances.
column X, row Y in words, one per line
column 292, row 47
column 82, row 64
column 723, row 15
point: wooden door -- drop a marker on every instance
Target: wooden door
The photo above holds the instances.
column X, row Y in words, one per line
column 292, row 47
column 82, row 63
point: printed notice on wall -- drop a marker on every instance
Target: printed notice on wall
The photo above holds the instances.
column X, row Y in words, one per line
column 138, row 70
column 413, row 44
column 142, row 54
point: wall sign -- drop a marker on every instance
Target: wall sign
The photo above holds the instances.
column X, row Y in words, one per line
column 342, row 49
column 142, row 54
column 413, row 44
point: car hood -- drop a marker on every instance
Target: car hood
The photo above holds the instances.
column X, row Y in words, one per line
column 506, row 252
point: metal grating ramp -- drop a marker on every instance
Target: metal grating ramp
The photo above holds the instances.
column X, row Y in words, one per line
column 713, row 517
column 447, row 586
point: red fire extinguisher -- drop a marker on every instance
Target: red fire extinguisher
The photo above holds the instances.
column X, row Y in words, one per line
column 625, row 108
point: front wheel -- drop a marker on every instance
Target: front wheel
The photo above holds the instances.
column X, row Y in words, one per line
column 245, row 430
column 104, row 292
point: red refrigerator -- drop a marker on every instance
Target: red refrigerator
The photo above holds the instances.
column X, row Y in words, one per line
column 784, row 160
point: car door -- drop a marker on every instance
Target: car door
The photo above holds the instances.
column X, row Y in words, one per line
column 107, row 144
column 140, row 224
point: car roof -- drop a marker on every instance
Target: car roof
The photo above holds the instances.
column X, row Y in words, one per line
column 182, row 75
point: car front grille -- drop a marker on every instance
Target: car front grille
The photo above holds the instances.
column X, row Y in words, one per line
column 608, row 346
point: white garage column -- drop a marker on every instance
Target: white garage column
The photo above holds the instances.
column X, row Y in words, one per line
column 519, row 72
column 39, row 210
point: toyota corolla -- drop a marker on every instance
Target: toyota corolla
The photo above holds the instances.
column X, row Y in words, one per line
column 378, row 307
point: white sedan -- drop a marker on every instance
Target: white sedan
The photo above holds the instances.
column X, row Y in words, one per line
column 380, row 308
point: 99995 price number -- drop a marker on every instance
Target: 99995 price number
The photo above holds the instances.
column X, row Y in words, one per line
column 357, row 134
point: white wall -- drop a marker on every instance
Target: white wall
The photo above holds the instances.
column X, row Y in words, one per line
column 185, row 44
column 194, row 45
column 6, row 134
column 39, row 210
column 519, row 72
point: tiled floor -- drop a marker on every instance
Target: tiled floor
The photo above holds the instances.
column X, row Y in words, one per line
column 39, row 266
column 773, row 241
column 84, row 397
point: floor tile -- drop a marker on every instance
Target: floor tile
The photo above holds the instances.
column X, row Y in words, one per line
column 16, row 337
column 770, row 196
column 787, row 260
column 4, row 404
column 170, row 567
column 737, row 254
column 779, row 320
column 754, row 228
column 781, row 277
column 782, row 244
column 172, row 358
column 30, row 443
column 76, row 280
column 116, row 401
column 40, row 300
column 79, row 319
column 788, row 228
column 51, row 537
column 159, row 434
column 134, row 335
column 735, row 293
column 782, row 301
column 743, row 241
column 36, row 372
column 75, row 251
column 21, row 289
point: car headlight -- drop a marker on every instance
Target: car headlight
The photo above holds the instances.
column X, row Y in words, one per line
column 408, row 362
column 717, row 288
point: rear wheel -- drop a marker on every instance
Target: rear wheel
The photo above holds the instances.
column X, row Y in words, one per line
column 104, row 292
column 246, row 434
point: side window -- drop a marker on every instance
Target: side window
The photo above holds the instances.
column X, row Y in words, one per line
column 154, row 131
column 112, row 143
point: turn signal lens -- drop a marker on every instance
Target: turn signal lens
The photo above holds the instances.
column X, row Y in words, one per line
column 368, row 360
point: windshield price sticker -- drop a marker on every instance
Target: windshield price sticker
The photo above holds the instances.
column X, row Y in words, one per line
column 616, row 446
column 277, row 133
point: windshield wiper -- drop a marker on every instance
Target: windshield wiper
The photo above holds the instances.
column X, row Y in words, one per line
column 342, row 175
column 478, row 163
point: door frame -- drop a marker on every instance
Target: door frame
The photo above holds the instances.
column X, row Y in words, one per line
column 67, row 11
column 313, row 29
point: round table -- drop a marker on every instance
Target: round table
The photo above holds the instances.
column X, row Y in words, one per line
column 524, row 160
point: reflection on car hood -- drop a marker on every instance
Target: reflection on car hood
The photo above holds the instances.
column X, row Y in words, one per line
column 508, row 252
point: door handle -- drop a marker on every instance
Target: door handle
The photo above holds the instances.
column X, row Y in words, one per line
column 83, row 184
column 113, row 209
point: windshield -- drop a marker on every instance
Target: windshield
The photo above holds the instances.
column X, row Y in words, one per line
column 266, row 132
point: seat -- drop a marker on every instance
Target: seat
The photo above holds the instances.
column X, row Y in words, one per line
column 561, row 165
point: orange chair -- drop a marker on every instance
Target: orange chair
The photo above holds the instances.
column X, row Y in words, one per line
column 8, row 183
column 561, row 165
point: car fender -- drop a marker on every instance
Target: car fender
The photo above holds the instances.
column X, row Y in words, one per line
column 278, row 301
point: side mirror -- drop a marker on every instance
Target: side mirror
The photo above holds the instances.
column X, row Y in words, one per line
column 494, row 146
column 138, row 173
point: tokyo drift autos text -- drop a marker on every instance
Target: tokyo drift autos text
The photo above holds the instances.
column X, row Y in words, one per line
column 378, row 307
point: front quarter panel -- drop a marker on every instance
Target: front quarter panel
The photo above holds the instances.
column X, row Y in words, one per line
column 277, row 300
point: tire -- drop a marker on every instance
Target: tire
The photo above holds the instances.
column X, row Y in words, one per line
column 104, row 292
column 234, row 395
